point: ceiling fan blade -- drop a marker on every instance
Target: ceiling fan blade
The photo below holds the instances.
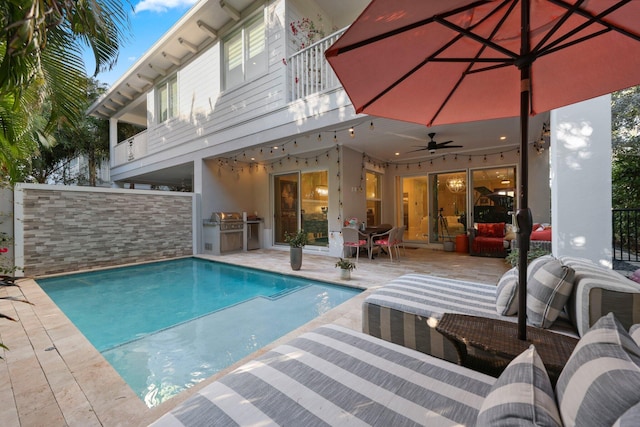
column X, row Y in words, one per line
column 419, row 149
column 446, row 145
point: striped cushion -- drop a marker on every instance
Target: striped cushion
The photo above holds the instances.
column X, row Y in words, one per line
column 631, row 418
column 598, row 291
column 549, row 286
column 407, row 310
column 601, row 380
column 333, row 376
column 634, row 331
column 523, row 395
column 507, row 293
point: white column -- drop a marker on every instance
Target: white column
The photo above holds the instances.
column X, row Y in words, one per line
column 113, row 139
column 198, row 245
column 581, row 180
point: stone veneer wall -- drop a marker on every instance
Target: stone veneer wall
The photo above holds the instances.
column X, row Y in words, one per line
column 67, row 229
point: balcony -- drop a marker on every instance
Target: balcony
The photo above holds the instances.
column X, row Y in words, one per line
column 309, row 72
column 130, row 149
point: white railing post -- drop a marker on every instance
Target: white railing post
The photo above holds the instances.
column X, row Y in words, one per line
column 309, row 72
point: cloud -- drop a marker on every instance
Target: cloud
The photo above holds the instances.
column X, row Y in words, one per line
column 162, row 6
column 132, row 58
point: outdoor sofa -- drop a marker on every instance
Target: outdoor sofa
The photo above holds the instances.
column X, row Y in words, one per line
column 407, row 310
column 333, row 376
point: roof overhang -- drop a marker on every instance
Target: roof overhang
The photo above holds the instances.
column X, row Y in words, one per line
column 200, row 27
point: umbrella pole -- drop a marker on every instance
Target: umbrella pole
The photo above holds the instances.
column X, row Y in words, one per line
column 523, row 215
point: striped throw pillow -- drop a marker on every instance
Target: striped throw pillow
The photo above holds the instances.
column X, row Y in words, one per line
column 631, row 418
column 507, row 293
column 634, row 331
column 549, row 286
column 601, row 380
column 523, row 395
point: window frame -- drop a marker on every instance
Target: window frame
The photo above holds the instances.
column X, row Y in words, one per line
column 167, row 109
column 247, row 73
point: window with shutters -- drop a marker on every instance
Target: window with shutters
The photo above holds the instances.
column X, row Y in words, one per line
column 167, row 99
column 245, row 53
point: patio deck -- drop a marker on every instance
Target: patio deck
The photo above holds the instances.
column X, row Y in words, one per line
column 53, row 376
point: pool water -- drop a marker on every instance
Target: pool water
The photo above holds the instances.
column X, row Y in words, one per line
column 167, row 326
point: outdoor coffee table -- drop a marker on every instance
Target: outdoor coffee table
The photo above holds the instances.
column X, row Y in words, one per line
column 498, row 343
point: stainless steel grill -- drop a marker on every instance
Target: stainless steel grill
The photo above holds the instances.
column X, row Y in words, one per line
column 228, row 236
column 228, row 221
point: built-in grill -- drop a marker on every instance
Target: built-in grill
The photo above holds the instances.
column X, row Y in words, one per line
column 228, row 232
column 228, row 221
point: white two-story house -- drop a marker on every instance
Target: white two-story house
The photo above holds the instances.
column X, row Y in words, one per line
column 240, row 107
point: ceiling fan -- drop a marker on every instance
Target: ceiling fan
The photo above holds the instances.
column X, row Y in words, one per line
column 432, row 145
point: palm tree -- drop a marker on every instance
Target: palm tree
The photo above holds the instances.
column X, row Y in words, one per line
column 42, row 70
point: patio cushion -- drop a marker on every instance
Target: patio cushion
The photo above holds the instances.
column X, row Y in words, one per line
column 600, row 381
column 522, row 395
column 507, row 293
column 634, row 331
column 495, row 229
column 337, row 376
column 631, row 418
column 549, row 287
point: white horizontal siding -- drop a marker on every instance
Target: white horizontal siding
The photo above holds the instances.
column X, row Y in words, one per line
column 204, row 109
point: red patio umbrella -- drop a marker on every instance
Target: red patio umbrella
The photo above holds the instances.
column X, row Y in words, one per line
column 441, row 62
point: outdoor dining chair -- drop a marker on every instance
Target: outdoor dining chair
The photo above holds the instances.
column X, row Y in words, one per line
column 352, row 238
column 386, row 239
column 400, row 241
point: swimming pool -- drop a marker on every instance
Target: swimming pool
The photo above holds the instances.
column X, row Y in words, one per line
column 167, row 326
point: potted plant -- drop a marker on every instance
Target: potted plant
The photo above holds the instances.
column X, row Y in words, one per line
column 345, row 268
column 296, row 241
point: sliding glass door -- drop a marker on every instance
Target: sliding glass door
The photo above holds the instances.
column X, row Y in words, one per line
column 301, row 201
column 286, row 205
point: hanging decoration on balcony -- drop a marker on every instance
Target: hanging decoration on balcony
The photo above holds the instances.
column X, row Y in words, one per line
column 305, row 32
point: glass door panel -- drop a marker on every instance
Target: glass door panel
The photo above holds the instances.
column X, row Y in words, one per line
column 286, row 202
column 415, row 208
column 315, row 205
column 448, row 199
column 374, row 198
column 493, row 194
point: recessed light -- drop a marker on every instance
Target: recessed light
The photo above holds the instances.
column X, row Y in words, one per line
column 397, row 154
column 275, row 147
column 502, row 138
column 253, row 158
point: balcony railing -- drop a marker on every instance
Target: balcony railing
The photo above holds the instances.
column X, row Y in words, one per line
column 308, row 70
column 130, row 149
column 626, row 241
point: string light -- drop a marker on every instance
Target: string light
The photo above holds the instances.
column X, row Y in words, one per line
column 371, row 127
column 319, row 137
column 352, row 133
column 335, row 137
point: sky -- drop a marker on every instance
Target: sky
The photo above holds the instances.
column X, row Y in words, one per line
column 149, row 20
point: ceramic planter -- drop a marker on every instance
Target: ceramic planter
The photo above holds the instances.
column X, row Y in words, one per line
column 296, row 258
